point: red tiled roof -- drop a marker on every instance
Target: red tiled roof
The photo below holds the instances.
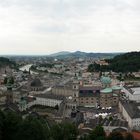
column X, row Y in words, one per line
column 136, row 135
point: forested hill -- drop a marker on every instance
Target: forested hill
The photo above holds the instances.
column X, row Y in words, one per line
column 129, row 62
column 6, row 62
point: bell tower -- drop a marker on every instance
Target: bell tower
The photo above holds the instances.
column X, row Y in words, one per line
column 9, row 93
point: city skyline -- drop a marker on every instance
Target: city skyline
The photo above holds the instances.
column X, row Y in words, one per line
column 44, row 27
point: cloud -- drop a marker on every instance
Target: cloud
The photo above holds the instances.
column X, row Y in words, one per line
column 69, row 24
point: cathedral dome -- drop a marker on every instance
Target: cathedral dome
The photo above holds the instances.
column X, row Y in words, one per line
column 106, row 80
column 36, row 83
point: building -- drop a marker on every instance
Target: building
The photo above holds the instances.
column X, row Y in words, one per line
column 109, row 95
column 108, row 98
column 133, row 94
column 48, row 100
column 63, row 90
column 89, row 96
column 103, row 96
column 131, row 112
column 36, row 85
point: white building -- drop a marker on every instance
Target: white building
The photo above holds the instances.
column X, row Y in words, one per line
column 131, row 112
column 46, row 100
column 133, row 94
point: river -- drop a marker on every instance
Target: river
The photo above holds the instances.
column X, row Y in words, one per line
column 27, row 67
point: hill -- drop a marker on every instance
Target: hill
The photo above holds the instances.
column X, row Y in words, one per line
column 59, row 53
column 79, row 54
column 128, row 62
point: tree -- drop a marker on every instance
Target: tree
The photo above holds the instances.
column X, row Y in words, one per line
column 56, row 107
column 5, row 80
column 98, row 133
column 116, row 136
column 100, row 119
column 31, row 129
column 1, row 124
column 129, row 136
column 64, row 131
column 110, row 118
column 10, row 125
column 13, row 127
column 10, row 80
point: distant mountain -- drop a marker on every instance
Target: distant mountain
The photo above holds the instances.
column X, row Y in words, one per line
column 79, row 54
column 59, row 53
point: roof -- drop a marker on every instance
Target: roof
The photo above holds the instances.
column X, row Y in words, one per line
column 116, row 88
column 132, row 109
column 106, row 90
column 50, row 96
column 106, row 80
column 136, row 135
column 136, row 90
column 119, row 129
column 90, row 88
column 89, row 93
column 36, row 83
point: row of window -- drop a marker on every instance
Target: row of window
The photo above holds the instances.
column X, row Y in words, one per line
column 88, row 98
column 87, row 102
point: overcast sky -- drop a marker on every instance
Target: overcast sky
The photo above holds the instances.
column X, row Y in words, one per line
column 48, row 26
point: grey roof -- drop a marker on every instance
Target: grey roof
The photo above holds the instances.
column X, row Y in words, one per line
column 89, row 92
column 50, row 96
column 90, row 88
column 129, row 89
column 131, row 108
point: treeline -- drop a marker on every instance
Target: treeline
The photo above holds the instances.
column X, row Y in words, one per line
column 14, row 127
column 129, row 62
column 6, row 62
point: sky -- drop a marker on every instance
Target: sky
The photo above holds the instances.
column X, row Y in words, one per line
column 49, row 26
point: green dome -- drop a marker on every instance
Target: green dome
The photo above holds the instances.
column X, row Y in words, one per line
column 116, row 88
column 106, row 80
column 106, row 90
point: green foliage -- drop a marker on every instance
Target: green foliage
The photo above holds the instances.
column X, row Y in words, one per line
column 31, row 129
column 47, row 65
column 64, row 131
column 97, row 134
column 6, row 62
column 129, row 62
column 116, row 136
column 13, row 127
column 11, row 122
column 10, row 80
column 5, row 80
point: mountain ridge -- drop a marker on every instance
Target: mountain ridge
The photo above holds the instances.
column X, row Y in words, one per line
column 80, row 54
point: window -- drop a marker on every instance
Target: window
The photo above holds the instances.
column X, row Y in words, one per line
column 86, row 98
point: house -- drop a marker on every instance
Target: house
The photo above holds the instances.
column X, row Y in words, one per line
column 89, row 96
column 133, row 94
column 131, row 112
